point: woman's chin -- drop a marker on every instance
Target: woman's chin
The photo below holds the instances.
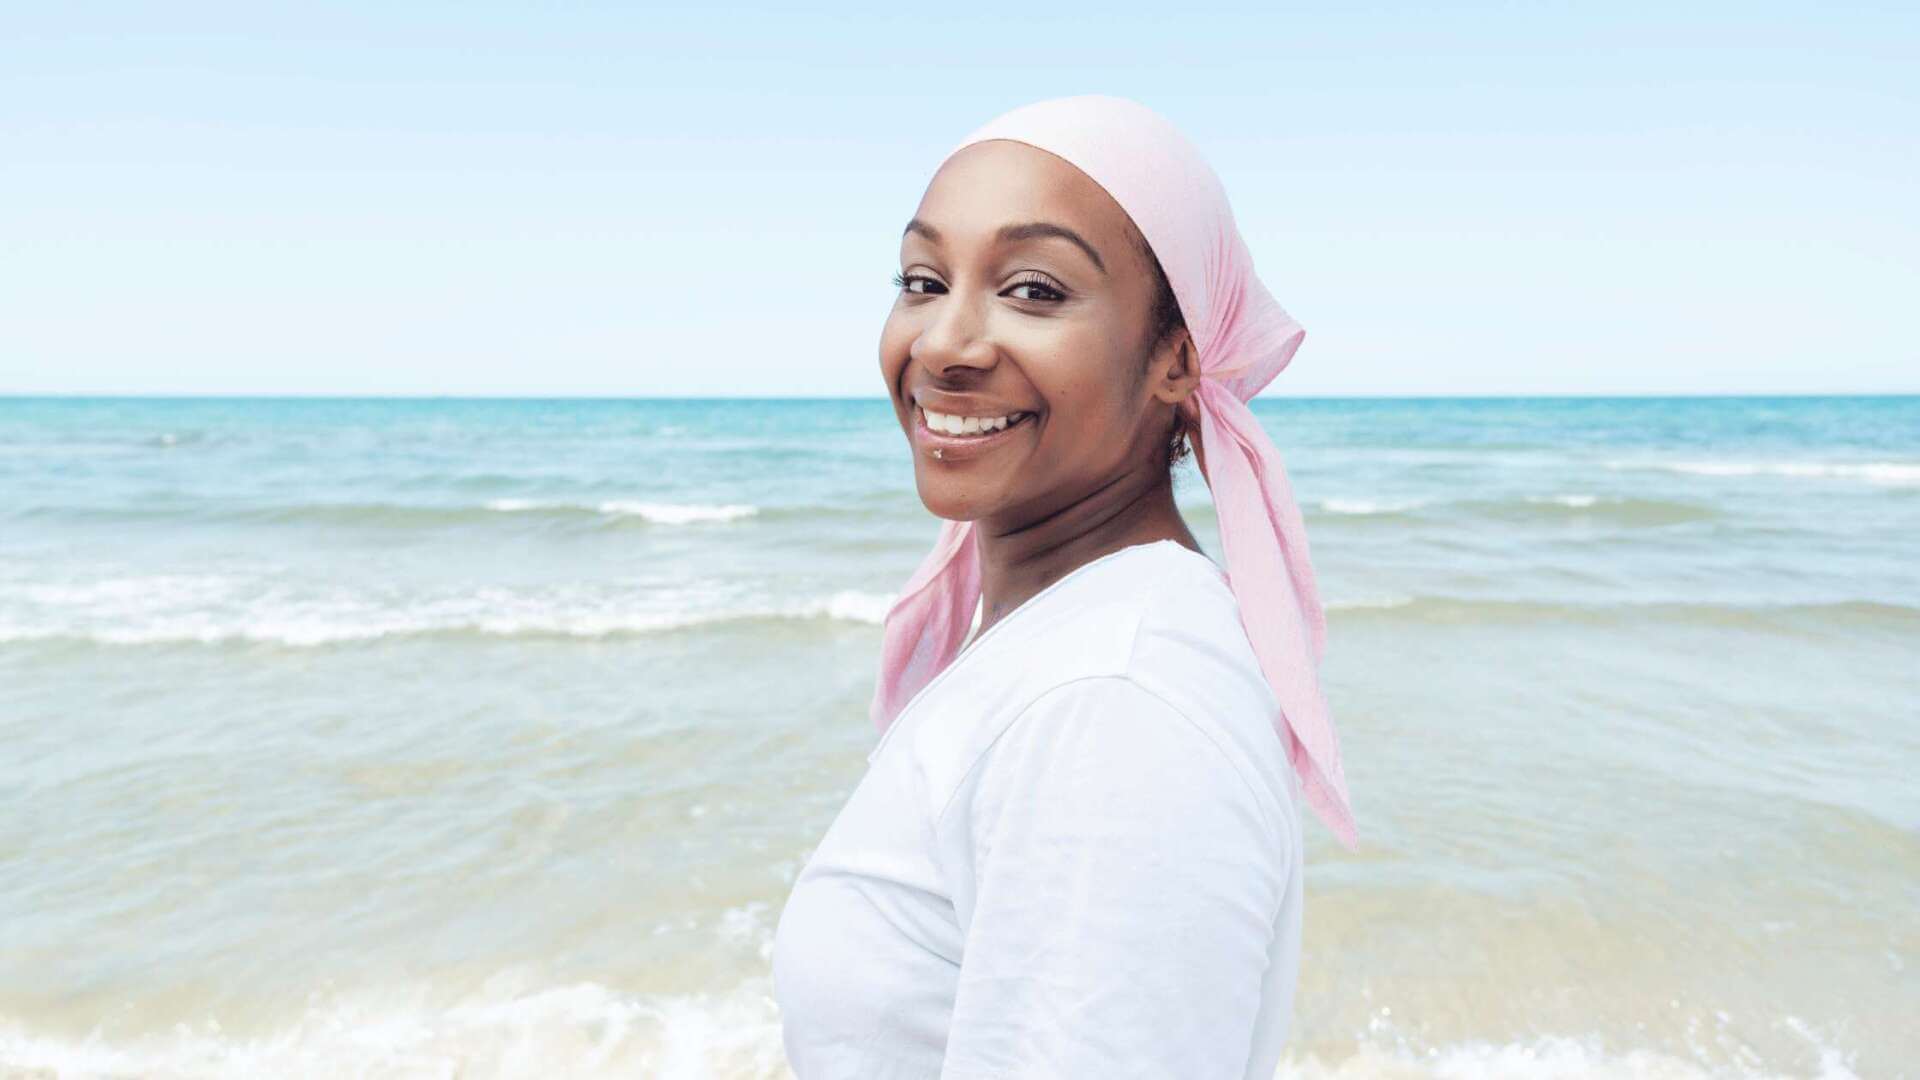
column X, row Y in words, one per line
column 943, row 500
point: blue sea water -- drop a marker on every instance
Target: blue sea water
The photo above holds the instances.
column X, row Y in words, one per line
column 413, row 736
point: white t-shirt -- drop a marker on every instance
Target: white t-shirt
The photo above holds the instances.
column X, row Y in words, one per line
column 1075, row 853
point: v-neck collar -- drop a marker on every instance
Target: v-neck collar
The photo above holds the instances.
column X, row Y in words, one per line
column 966, row 651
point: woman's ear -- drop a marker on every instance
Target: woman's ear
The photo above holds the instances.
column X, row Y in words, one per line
column 1177, row 369
column 1178, row 384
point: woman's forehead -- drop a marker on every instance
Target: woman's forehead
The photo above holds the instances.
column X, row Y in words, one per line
column 988, row 185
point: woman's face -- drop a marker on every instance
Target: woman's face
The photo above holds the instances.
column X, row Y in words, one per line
column 1004, row 315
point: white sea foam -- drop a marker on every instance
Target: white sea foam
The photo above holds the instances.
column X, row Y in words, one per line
column 749, row 925
column 677, row 514
column 189, row 609
column 1565, row 500
column 1378, row 600
column 506, row 1029
column 509, row 1029
column 657, row 513
column 1546, row 1058
column 1900, row 473
column 853, row 606
column 1369, row 506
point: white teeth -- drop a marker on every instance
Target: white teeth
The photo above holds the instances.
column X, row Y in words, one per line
column 951, row 424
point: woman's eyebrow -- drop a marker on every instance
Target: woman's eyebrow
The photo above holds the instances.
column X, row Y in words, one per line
column 1012, row 233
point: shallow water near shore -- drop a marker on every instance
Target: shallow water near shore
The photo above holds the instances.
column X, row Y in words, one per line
column 485, row 737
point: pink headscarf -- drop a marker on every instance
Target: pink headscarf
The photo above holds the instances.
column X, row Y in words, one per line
column 1244, row 339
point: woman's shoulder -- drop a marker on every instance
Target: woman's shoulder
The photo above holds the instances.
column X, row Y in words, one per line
column 1130, row 612
column 1190, row 649
column 1183, row 636
column 1154, row 634
column 1188, row 643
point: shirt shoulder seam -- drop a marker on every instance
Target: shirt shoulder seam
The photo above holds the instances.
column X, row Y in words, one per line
column 1232, row 759
column 986, row 752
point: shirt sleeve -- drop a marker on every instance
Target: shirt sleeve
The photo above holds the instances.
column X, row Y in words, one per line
column 1119, row 886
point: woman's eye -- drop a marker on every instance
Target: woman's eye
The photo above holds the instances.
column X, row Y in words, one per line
column 902, row 281
column 1051, row 294
column 1045, row 293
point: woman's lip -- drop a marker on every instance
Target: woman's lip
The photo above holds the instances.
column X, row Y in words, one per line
column 944, row 447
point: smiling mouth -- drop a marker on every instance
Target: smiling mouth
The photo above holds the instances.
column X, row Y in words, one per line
column 969, row 427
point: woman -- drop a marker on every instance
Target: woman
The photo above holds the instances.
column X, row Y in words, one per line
column 1076, row 850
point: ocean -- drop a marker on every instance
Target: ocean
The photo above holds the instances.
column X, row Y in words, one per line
column 482, row 737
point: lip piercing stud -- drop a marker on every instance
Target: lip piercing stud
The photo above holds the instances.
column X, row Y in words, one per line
column 936, row 451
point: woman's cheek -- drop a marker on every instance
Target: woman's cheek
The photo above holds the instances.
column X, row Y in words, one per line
column 894, row 345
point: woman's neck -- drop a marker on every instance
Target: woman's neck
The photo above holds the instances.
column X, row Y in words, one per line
column 1017, row 561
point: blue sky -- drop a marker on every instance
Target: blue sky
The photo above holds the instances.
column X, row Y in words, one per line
column 565, row 199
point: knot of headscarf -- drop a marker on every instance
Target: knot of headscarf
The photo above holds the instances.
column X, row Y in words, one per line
column 1243, row 338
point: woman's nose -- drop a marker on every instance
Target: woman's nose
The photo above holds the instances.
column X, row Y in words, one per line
column 955, row 339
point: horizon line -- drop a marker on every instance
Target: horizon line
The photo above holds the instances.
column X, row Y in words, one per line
column 296, row 396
